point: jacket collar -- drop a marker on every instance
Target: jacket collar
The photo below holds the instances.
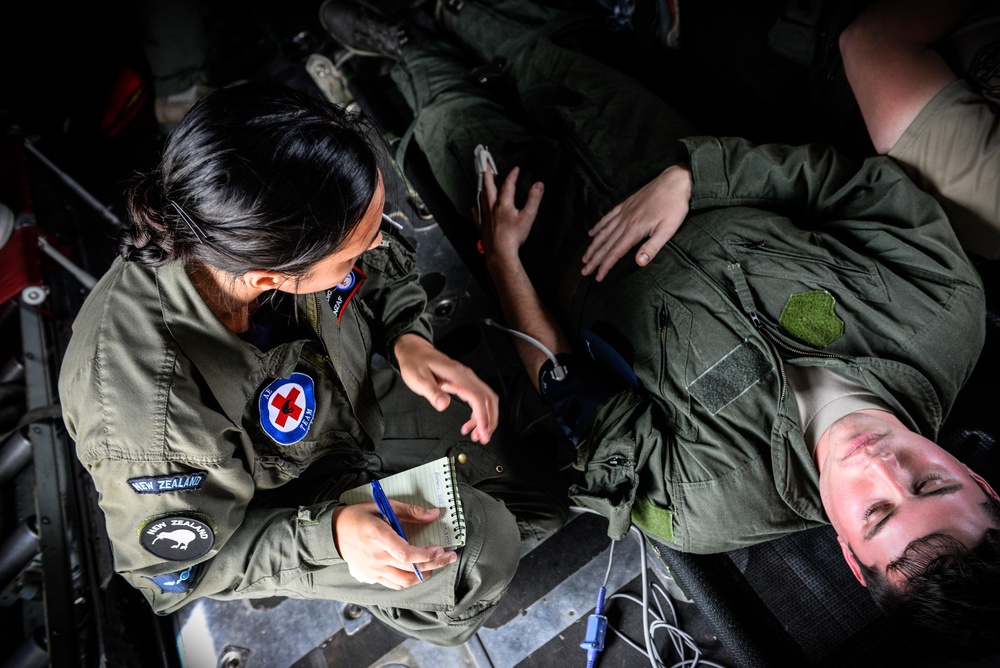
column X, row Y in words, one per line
column 212, row 347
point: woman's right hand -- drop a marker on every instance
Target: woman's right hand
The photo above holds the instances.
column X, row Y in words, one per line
column 374, row 552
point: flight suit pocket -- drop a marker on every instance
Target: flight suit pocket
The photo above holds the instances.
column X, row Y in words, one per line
column 810, row 264
column 674, row 324
column 738, row 508
column 609, row 484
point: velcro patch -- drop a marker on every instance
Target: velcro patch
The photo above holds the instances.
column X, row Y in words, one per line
column 726, row 380
column 651, row 519
column 811, row 318
column 161, row 484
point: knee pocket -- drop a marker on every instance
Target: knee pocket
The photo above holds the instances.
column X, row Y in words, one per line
column 490, row 556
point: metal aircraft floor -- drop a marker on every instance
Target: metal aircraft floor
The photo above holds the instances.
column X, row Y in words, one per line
column 542, row 621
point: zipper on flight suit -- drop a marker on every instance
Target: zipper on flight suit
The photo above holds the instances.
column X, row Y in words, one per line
column 316, row 320
column 776, row 344
column 617, row 461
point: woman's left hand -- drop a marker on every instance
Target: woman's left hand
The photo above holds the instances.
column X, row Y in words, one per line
column 435, row 376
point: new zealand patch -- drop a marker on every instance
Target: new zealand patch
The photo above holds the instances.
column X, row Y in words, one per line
column 178, row 582
column 179, row 482
column 287, row 407
column 177, row 538
column 339, row 296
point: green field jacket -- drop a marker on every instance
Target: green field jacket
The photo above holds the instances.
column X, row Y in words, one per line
column 190, row 433
column 789, row 255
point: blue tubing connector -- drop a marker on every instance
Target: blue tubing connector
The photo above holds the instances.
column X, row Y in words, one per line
column 597, row 628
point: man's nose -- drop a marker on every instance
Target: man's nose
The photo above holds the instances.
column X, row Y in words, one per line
column 885, row 465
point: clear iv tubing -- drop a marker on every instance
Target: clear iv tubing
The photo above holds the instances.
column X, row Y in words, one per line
column 529, row 339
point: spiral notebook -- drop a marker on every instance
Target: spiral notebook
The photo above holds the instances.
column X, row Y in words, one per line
column 431, row 485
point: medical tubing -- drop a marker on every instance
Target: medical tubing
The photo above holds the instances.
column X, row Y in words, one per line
column 522, row 335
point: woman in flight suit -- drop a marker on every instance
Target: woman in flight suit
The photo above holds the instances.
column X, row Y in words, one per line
column 219, row 382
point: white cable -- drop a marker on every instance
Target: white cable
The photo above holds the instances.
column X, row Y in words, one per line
column 398, row 226
column 558, row 372
column 68, row 180
column 611, row 558
column 682, row 642
column 654, row 657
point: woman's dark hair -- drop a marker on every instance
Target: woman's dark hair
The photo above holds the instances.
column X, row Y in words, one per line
column 255, row 176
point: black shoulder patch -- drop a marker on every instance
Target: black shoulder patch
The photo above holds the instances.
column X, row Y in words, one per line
column 177, row 538
column 161, row 484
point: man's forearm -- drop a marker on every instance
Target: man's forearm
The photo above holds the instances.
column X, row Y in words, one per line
column 525, row 312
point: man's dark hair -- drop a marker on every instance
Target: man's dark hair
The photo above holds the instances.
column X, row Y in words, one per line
column 950, row 591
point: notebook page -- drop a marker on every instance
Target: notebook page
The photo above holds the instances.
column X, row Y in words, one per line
column 431, row 485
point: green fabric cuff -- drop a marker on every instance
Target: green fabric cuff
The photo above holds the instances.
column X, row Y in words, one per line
column 709, row 184
column 315, row 529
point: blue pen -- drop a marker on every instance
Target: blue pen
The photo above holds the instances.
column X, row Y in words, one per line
column 389, row 516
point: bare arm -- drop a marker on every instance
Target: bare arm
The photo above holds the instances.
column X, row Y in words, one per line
column 504, row 230
column 891, row 64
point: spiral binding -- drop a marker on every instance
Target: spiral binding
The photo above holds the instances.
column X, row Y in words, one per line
column 455, row 509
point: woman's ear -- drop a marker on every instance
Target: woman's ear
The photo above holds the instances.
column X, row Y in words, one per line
column 260, row 280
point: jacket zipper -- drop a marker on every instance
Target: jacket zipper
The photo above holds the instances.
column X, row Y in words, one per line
column 317, row 316
column 776, row 344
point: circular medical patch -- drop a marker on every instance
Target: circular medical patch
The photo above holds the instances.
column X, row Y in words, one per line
column 348, row 282
column 287, row 407
column 177, row 538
